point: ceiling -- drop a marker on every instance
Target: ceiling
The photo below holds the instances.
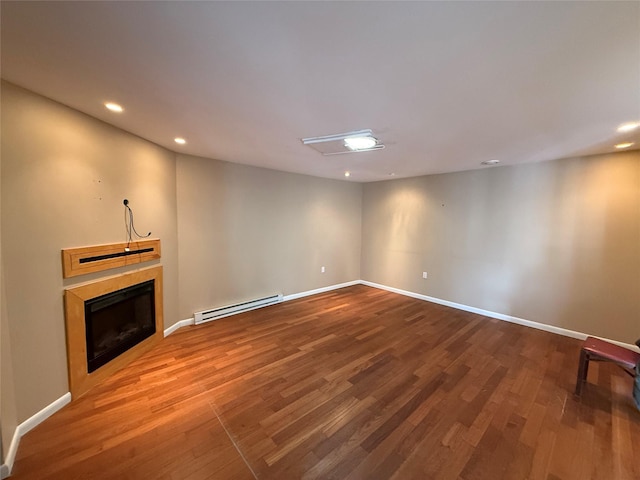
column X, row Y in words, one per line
column 445, row 85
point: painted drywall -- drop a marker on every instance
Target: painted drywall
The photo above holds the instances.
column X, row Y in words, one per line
column 245, row 232
column 64, row 177
column 555, row 242
column 8, row 415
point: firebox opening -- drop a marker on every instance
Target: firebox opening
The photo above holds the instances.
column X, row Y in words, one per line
column 117, row 321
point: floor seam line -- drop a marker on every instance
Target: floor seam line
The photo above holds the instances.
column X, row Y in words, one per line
column 236, row 446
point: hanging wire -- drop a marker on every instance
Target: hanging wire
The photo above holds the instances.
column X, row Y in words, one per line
column 129, row 225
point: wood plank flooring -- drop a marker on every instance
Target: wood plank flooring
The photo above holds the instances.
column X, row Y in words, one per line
column 357, row 383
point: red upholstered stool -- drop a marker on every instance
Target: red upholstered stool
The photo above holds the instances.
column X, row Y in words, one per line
column 601, row 351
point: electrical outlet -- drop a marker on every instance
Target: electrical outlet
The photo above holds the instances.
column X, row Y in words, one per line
column 321, row 269
column 424, row 274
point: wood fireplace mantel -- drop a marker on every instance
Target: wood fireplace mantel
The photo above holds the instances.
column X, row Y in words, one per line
column 80, row 380
column 97, row 258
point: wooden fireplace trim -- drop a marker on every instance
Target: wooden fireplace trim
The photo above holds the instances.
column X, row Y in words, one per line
column 97, row 258
column 80, row 380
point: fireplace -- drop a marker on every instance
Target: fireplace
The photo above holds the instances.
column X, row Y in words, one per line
column 110, row 323
column 117, row 321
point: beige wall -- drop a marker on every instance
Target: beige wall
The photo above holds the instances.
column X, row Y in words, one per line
column 8, row 415
column 64, row 176
column 245, row 232
column 555, row 242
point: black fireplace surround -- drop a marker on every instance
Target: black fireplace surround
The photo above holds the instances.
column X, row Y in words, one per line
column 117, row 321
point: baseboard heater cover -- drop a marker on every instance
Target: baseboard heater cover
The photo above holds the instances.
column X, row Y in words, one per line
column 216, row 313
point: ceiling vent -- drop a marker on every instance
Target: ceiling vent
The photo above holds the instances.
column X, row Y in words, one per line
column 350, row 142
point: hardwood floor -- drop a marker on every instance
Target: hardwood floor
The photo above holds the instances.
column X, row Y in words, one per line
column 357, row 383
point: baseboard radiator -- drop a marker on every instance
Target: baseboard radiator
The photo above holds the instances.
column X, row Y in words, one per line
column 216, row 313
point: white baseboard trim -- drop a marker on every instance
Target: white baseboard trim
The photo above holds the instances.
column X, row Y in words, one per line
column 308, row 293
column 28, row 425
column 285, row 298
column 11, row 452
column 499, row 316
column 179, row 324
column 487, row 313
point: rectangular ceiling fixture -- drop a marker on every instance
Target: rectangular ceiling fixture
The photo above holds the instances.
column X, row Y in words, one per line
column 350, row 142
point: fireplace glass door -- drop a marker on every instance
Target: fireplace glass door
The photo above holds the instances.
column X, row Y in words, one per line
column 117, row 321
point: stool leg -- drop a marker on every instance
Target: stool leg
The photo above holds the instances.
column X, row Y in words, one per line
column 583, row 369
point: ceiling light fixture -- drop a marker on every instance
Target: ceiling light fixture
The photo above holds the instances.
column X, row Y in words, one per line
column 490, row 162
column 114, row 107
column 627, row 127
column 179, row 140
column 624, row 145
column 347, row 174
column 350, row 142
column 360, row 143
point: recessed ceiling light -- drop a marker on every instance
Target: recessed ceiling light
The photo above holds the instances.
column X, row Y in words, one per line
column 490, row 162
column 627, row 127
column 624, row 145
column 114, row 107
column 392, row 174
column 360, row 143
column 347, row 174
column 180, row 140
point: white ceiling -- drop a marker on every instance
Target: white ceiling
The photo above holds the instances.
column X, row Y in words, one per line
column 445, row 85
